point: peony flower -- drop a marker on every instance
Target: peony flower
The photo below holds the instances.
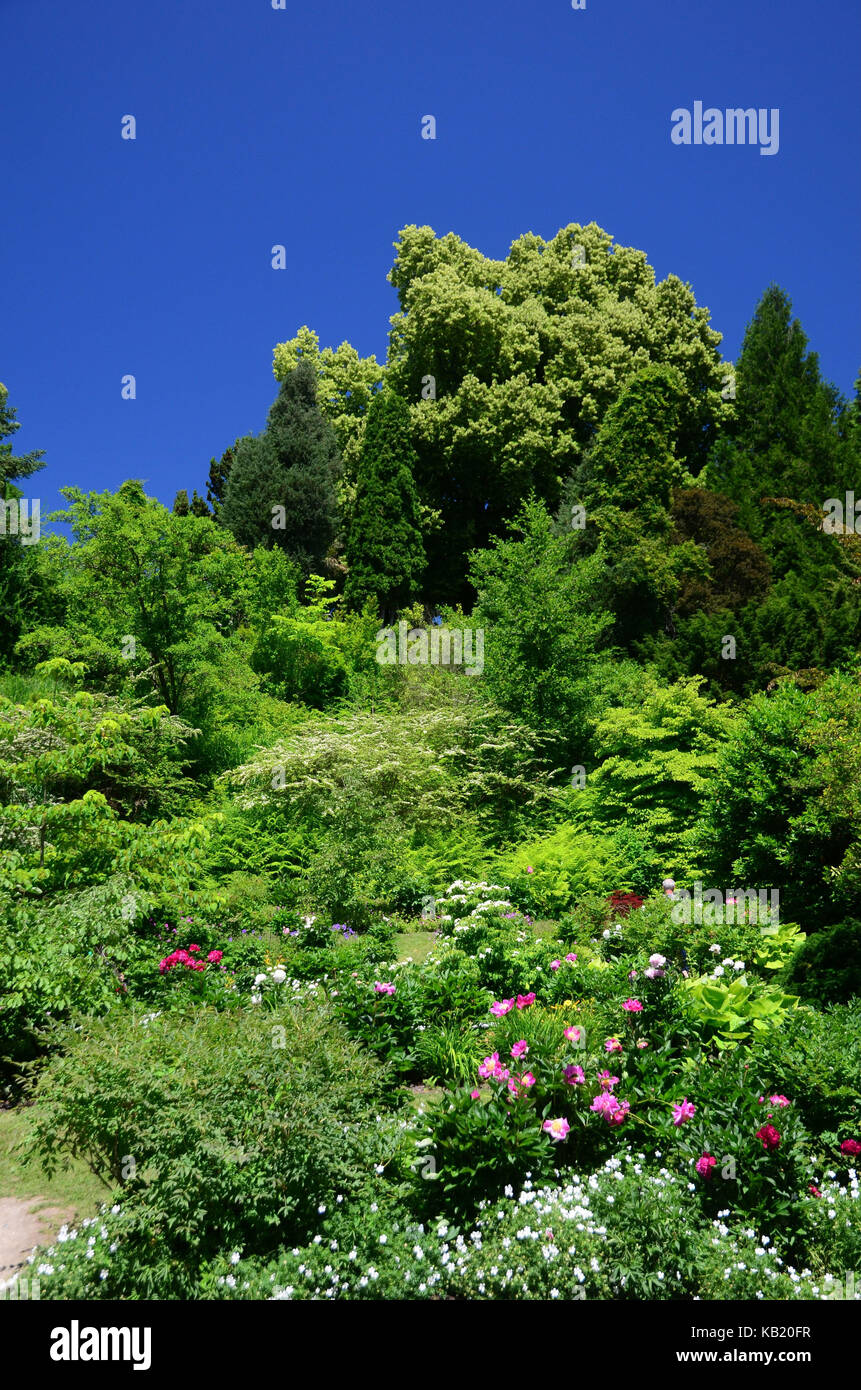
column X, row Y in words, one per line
column 574, row 1075
column 653, row 973
column 642, row 1042
column 571, row 958
column 769, row 1136
column 607, row 1081
column 475, row 1095
column 613, row 1110
column 618, row 1116
column 632, row 1006
column 705, row 1165
column 780, row 1101
column 520, row 1049
column 715, row 950
column 502, row 1007
column 215, row 956
column 612, row 1045
column 555, row 964
column 814, row 1190
column 381, row 987
column 279, row 976
column 657, row 961
column 850, row 1147
column 685, row 1111
column 194, row 948
column 524, row 1000
column 259, row 979
column 529, row 869
column 557, row 1129
column 572, row 1034
column 527, row 1079
column 488, row 1066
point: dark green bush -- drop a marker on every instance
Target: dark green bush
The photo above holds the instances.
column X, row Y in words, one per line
column 827, row 967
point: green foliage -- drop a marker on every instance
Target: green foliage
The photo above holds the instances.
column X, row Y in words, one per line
column 225, row 1132
column 384, row 548
column 827, row 967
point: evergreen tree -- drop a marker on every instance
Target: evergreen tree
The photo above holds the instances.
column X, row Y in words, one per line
column 385, row 552
column 20, row 584
column 180, row 503
column 281, row 486
column 219, row 472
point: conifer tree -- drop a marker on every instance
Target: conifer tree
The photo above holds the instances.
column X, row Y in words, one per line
column 385, row 552
column 281, row 486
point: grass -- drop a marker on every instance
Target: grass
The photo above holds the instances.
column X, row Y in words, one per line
column 415, row 945
column 74, row 1188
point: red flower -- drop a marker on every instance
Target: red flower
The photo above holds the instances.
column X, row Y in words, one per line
column 215, row 956
column 194, row 948
column 850, row 1147
column 814, row 1190
column 769, row 1136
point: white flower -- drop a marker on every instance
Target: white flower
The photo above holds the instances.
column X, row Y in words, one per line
column 257, row 998
column 259, row 979
column 718, row 971
column 279, row 976
column 739, row 965
column 235, row 1257
column 715, row 950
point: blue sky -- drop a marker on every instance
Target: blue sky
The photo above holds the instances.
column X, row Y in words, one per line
column 302, row 126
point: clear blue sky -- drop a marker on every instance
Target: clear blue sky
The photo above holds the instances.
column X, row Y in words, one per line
column 302, row 126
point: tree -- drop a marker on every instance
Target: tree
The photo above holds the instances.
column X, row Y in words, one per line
column 152, row 599
column 384, row 550
column 510, row 366
column 20, row 585
column 281, row 486
column 543, row 625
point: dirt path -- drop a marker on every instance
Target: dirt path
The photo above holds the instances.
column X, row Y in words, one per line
column 21, row 1228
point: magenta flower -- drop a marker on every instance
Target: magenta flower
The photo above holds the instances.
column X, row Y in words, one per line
column 632, row 1006
column 489, row 1066
column 571, row 958
column 215, row 956
column 383, row 988
column 475, row 1095
column 618, row 1116
column 769, row 1136
column 520, row 1049
column 705, row 1165
column 557, row 1129
column 502, row 1007
column 527, row 1079
column 607, row 1081
column 632, row 974
column 614, row 1111
column 781, row 1101
column 529, row 869
column 555, row 964
column 524, row 1000
column 685, row 1111
column 572, row 1034
column 851, row 1147
column 642, row 1042
column 574, row 1075
column 612, row 1045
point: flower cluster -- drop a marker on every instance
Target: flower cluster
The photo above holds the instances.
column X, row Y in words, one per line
column 188, row 960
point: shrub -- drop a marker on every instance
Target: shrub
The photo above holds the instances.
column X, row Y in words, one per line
column 827, row 966
column 226, row 1130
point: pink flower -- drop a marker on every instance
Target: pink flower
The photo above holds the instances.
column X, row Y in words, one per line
column 575, row 1076
column 705, row 1165
column 612, row 1045
column 613, row 1110
column 850, row 1147
column 529, row 869
column 555, row 964
column 572, row 1034
column 557, row 1129
column 657, row 960
column 215, row 956
column 607, row 1081
column 502, row 1007
column 653, row 973
column 814, row 1190
column 685, row 1111
column 632, row 974
column 769, row 1136
column 383, row 988
column 780, row 1101
column 475, row 1095
column 512, row 1086
column 527, row 1079
column 524, row 1000
column 520, row 1049
column 194, row 948
column 489, row 1066
column 642, row 1042
column 632, row 1006
column 571, row 958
